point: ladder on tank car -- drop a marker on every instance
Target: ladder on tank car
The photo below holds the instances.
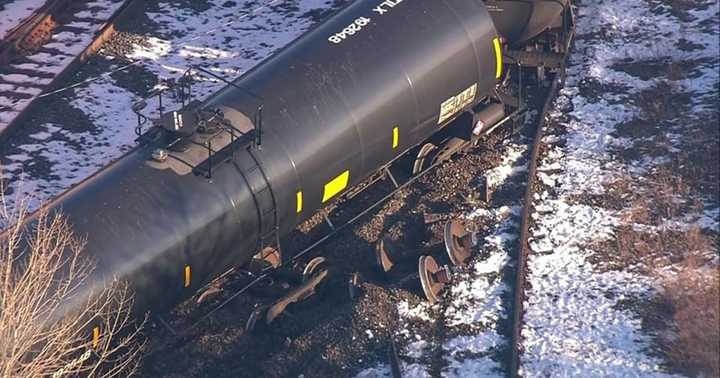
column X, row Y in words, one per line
column 250, row 169
column 264, row 198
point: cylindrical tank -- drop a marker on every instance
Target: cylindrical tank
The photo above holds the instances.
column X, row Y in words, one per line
column 521, row 20
column 358, row 91
column 337, row 104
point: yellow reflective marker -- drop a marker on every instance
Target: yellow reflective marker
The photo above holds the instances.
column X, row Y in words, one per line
column 498, row 58
column 396, row 137
column 336, row 185
column 187, row 275
column 299, row 201
column 96, row 337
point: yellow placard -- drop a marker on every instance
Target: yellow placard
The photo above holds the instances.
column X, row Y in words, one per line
column 455, row 104
column 498, row 58
column 336, row 186
column 96, row 337
column 396, row 137
column 299, row 199
column 187, row 275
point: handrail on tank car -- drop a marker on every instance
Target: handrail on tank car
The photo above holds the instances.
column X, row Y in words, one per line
column 182, row 90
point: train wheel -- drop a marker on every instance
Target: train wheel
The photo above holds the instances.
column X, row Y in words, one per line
column 430, row 154
column 258, row 312
column 384, row 249
column 450, row 148
column 432, row 278
column 458, row 242
column 312, row 267
column 209, row 293
column 425, row 157
column 268, row 257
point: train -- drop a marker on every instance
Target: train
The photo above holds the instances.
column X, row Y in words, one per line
column 211, row 184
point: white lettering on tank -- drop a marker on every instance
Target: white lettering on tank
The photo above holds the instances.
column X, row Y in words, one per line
column 379, row 10
column 351, row 29
column 387, row 3
column 356, row 26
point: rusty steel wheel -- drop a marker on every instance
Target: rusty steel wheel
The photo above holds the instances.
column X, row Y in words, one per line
column 458, row 242
column 432, row 278
column 383, row 254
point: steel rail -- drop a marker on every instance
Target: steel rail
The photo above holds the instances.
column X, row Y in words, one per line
column 9, row 46
column 524, row 248
column 27, row 26
column 520, row 277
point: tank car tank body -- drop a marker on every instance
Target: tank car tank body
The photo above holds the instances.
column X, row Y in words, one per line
column 218, row 181
column 521, row 20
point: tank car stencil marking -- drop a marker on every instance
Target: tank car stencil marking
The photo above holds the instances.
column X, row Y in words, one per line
column 455, row 104
column 355, row 27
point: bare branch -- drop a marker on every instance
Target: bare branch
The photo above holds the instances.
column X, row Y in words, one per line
column 42, row 270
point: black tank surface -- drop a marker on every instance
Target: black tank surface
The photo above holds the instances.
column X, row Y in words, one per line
column 337, row 104
column 166, row 234
column 374, row 81
column 520, row 20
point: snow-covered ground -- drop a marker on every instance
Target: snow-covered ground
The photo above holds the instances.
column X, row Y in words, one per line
column 575, row 325
column 23, row 82
column 228, row 38
column 13, row 13
column 577, row 321
column 475, row 308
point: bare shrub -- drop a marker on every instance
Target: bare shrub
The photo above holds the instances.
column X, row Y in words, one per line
column 694, row 295
column 42, row 271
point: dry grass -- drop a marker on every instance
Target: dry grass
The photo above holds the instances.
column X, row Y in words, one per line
column 42, row 273
column 648, row 244
column 662, row 195
column 658, row 104
column 694, row 296
column 647, row 251
column 645, row 240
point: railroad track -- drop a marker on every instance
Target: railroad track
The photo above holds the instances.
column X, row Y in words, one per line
column 525, row 222
column 37, row 53
column 543, row 104
column 544, row 100
column 524, row 232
